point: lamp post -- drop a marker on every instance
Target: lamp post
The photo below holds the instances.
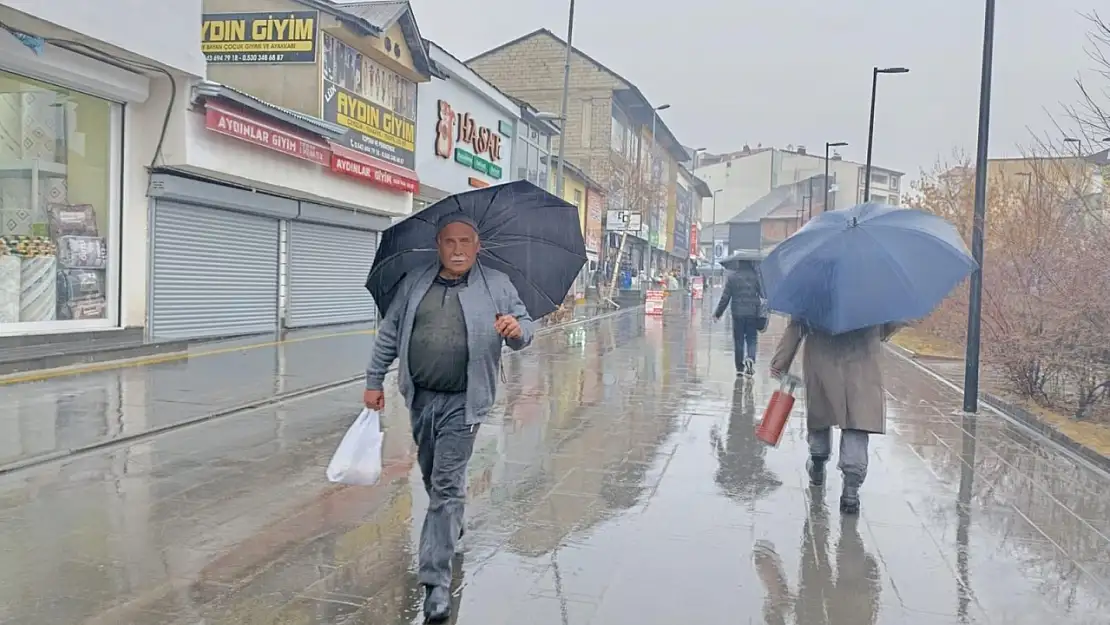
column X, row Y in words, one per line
column 828, row 145
column 975, row 297
column 713, row 247
column 566, row 98
column 871, row 122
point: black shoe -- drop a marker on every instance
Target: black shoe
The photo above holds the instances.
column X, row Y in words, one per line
column 749, row 368
column 816, row 468
column 437, row 604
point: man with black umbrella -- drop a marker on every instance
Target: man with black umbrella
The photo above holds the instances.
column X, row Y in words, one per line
column 447, row 326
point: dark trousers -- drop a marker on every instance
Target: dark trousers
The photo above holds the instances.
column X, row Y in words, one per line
column 745, row 339
column 444, row 443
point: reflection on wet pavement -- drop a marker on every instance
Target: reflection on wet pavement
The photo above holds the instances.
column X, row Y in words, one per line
column 619, row 483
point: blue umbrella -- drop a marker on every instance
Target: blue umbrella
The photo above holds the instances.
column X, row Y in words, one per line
column 863, row 266
column 525, row 232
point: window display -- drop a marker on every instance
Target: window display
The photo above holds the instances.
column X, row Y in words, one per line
column 55, row 195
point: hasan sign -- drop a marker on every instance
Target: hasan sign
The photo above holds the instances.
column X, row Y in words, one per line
column 261, row 38
column 458, row 135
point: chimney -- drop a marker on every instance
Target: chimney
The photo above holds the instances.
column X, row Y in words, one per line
column 802, row 150
column 747, row 149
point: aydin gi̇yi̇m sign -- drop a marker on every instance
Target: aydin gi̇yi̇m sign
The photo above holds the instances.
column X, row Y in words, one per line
column 484, row 142
column 259, row 37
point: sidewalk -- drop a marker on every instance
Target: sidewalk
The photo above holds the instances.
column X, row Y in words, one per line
column 617, row 483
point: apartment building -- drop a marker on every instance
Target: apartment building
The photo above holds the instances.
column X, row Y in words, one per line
column 740, row 179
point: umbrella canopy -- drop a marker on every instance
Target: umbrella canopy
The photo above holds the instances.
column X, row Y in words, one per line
column 863, row 266
column 734, row 260
column 527, row 233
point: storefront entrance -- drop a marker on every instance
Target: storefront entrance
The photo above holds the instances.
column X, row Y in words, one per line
column 231, row 262
column 327, row 271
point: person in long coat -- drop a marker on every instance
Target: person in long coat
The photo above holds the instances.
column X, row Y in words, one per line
column 844, row 389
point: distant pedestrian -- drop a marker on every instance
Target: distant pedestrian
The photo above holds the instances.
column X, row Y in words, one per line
column 447, row 326
column 844, row 388
column 743, row 297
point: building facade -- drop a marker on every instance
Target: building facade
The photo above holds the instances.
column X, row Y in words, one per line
column 746, row 176
column 612, row 133
column 80, row 126
column 588, row 196
column 466, row 129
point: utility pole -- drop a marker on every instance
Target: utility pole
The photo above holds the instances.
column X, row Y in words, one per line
column 566, row 103
column 975, row 298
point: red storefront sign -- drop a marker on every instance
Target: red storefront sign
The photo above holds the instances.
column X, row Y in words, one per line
column 241, row 126
column 694, row 251
column 381, row 173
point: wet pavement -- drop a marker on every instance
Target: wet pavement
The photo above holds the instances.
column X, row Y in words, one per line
column 619, row 483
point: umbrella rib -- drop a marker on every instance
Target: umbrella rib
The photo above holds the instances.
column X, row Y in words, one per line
column 523, row 276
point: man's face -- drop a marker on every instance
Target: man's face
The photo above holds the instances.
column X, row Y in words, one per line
column 458, row 247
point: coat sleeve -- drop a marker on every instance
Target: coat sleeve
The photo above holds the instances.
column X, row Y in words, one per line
column 518, row 310
column 787, row 348
column 726, row 297
column 386, row 342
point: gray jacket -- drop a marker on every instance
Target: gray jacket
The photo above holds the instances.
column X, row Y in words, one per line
column 480, row 311
column 743, row 293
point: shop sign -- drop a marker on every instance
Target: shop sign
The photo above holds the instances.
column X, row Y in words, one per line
column 461, row 128
column 247, row 129
column 694, row 242
column 619, row 221
column 261, row 38
column 595, row 209
column 377, row 175
column 477, row 183
column 376, row 105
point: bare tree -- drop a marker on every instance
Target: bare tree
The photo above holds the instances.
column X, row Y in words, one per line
column 633, row 189
column 1092, row 112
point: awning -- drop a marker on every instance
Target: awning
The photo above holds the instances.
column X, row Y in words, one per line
column 364, row 167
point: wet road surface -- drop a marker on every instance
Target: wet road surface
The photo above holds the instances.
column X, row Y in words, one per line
column 618, row 484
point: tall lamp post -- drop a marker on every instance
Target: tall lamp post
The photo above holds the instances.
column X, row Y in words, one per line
column 566, row 102
column 975, row 297
column 713, row 236
column 828, row 145
column 871, row 122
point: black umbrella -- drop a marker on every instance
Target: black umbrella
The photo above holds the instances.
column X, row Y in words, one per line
column 527, row 233
column 736, row 259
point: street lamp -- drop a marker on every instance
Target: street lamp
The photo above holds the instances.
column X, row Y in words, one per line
column 566, row 96
column 975, row 296
column 871, row 123
column 713, row 247
column 828, row 145
column 1078, row 145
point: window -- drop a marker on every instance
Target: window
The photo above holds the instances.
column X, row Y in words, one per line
column 881, row 199
column 577, row 198
column 544, row 176
column 58, row 207
column 880, row 179
column 895, row 181
column 617, row 137
column 534, row 168
column 587, row 122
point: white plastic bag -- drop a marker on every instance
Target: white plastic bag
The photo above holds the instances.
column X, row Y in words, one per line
column 358, row 459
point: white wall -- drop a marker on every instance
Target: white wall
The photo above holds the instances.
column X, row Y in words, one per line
column 466, row 93
column 742, row 180
column 164, row 31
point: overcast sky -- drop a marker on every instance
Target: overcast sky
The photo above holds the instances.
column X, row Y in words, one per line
column 799, row 71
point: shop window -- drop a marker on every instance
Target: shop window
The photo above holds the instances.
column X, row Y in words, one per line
column 57, row 206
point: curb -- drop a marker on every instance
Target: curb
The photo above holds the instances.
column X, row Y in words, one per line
column 62, row 454
column 1018, row 416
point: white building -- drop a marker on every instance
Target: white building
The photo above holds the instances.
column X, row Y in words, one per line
column 472, row 135
column 743, row 177
column 84, row 95
column 170, row 207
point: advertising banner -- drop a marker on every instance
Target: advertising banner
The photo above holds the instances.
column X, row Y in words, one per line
column 618, row 221
column 258, row 132
column 595, row 210
column 376, row 105
column 262, row 38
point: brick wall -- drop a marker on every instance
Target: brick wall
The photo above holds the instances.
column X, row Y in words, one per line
column 532, row 70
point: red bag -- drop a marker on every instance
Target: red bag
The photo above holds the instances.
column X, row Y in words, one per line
column 773, row 423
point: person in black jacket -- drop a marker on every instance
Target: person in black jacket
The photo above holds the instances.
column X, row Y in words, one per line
column 743, row 294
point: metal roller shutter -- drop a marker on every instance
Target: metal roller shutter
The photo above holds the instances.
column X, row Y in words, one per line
column 327, row 271
column 214, row 273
